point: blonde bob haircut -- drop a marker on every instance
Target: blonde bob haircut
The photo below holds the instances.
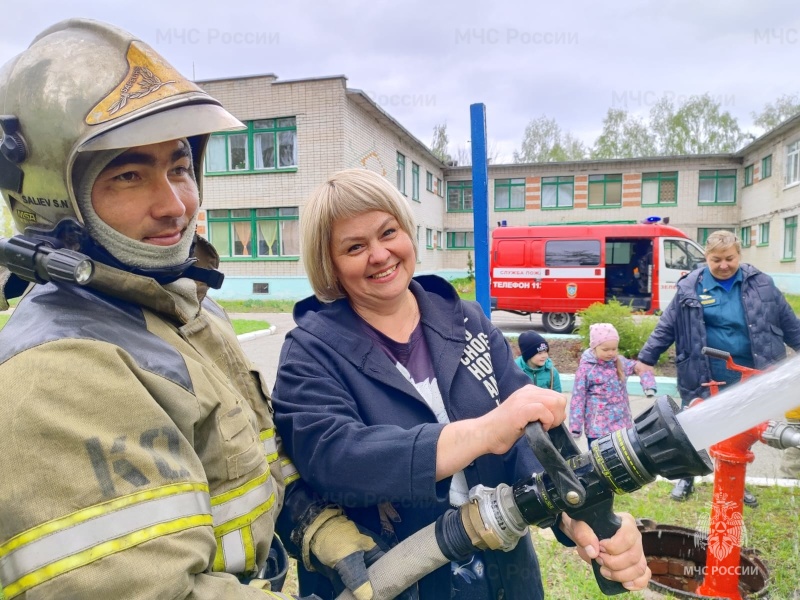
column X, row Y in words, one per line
column 720, row 240
column 346, row 194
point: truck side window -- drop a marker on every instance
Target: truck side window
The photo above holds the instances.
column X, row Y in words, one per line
column 572, row 253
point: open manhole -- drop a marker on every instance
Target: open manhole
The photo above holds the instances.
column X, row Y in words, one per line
column 678, row 562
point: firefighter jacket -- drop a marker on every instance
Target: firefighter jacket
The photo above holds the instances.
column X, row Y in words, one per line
column 139, row 457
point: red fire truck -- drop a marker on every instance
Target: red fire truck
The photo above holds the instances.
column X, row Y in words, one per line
column 558, row 270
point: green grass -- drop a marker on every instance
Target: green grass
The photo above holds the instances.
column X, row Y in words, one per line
column 465, row 288
column 794, row 302
column 241, row 326
column 251, row 306
column 772, row 529
column 3, row 319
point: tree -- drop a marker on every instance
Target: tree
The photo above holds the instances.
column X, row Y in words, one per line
column 773, row 115
column 623, row 136
column 698, row 126
column 440, row 143
column 463, row 156
column 544, row 141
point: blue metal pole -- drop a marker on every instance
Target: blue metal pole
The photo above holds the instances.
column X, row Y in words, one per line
column 480, row 205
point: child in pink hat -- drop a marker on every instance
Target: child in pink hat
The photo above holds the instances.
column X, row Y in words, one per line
column 600, row 403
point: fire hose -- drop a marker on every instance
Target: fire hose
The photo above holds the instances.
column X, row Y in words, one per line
column 582, row 485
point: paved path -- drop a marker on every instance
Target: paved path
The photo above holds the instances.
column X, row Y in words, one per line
column 265, row 350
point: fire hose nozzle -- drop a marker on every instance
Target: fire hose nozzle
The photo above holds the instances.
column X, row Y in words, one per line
column 781, row 435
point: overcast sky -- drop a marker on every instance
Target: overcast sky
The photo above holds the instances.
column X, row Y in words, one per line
column 426, row 61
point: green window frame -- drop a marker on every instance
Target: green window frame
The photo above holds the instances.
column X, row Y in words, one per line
column 429, row 239
column 267, row 145
column 717, row 187
column 605, row 191
column 744, row 236
column 255, row 233
column 429, row 181
column 748, row 175
column 415, row 181
column 558, row 192
column 460, row 240
column 401, row 173
column 792, row 163
column 459, row 196
column 763, row 234
column 660, row 188
column 790, row 238
column 439, row 188
column 766, row 167
column 704, row 232
column 509, row 194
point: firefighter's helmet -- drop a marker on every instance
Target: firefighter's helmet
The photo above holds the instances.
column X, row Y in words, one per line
column 83, row 86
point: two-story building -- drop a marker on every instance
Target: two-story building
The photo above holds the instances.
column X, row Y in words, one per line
column 300, row 132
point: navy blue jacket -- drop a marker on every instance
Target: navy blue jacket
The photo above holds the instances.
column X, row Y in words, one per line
column 361, row 435
column 771, row 322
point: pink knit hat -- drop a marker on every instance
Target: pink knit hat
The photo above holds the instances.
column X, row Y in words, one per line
column 601, row 332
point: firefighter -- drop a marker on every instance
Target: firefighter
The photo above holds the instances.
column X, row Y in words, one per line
column 139, row 457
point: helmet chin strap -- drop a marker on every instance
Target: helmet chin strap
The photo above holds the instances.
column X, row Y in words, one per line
column 163, row 275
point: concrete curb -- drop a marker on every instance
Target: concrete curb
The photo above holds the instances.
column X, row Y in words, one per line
column 257, row 334
column 665, row 385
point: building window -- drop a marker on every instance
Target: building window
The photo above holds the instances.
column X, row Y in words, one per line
column 429, row 238
column 766, row 166
column 509, row 194
column 261, row 288
column 605, row 190
column 660, row 188
column 704, row 232
column 558, row 192
column 744, row 237
column 790, row 238
column 748, row 175
column 763, row 234
column 267, row 145
column 439, row 240
column 255, row 233
column 459, row 196
column 793, row 163
column 415, row 181
column 429, row 181
column 460, row 239
column 401, row 173
column 440, row 188
column 717, row 187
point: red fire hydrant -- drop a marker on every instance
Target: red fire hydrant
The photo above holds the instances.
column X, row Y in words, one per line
column 723, row 552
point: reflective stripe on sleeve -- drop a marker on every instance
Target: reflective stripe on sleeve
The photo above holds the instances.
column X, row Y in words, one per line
column 53, row 548
column 270, row 443
column 234, row 512
column 289, row 471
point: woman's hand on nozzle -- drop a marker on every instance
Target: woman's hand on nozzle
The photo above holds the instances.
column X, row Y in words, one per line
column 507, row 422
column 621, row 557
